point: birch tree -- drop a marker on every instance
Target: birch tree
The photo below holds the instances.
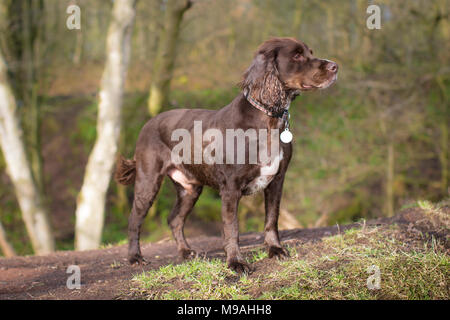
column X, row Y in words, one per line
column 91, row 199
column 7, row 249
column 17, row 165
column 24, row 44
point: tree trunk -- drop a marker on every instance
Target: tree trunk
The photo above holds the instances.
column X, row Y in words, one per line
column 443, row 157
column 22, row 28
column 297, row 18
column 7, row 249
column 165, row 59
column 91, row 200
column 32, row 19
column 390, row 180
column 76, row 59
column 28, row 196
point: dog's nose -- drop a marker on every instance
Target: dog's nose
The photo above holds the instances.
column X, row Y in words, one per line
column 332, row 66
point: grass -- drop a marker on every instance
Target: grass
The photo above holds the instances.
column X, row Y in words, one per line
column 195, row 279
column 338, row 267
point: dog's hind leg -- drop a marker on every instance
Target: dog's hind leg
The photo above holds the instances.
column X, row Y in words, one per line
column 186, row 199
column 150, row 172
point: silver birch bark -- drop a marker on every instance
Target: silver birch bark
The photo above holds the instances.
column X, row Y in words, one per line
column 7, row 249
column 91, row 199
column 18, row 168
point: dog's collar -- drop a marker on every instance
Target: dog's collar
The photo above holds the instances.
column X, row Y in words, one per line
column 282, row 114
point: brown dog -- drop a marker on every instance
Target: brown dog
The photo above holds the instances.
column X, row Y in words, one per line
column 281, row 69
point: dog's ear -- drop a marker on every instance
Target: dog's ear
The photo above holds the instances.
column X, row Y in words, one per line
column 254, row 75
column 262, row 80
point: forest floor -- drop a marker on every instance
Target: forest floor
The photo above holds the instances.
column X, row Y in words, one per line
column 411, row 249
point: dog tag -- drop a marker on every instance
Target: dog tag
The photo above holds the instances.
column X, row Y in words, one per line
column 286, row 136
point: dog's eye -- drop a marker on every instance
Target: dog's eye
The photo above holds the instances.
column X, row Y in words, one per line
column 298, row 57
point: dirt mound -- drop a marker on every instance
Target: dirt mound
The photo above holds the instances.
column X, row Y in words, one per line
column 105, row 273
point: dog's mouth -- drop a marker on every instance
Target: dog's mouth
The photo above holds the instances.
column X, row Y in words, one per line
column 305, row 86
column 325, row 84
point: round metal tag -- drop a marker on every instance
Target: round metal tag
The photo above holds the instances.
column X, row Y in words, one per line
column 286, row 136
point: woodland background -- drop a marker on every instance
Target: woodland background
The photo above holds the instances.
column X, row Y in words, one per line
column 372, row 144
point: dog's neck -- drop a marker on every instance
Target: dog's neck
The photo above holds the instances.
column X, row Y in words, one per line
column 277, row 109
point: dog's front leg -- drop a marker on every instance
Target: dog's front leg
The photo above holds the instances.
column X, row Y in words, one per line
column 235, row 261
column 272, row 199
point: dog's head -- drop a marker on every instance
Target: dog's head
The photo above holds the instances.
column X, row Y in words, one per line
column 284, row 67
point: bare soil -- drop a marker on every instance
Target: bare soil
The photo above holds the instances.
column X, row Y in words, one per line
column 106, row 274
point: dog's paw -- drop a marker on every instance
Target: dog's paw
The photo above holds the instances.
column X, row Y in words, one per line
column 187, row 253
column 278, row 252
column 240, row 266
column 137, row 259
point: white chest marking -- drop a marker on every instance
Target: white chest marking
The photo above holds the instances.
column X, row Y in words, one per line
column 266, row 175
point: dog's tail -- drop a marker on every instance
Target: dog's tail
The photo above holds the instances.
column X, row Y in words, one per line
column 125, row 171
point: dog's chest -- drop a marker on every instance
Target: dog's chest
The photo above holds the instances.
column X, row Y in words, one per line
column 266, row 175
